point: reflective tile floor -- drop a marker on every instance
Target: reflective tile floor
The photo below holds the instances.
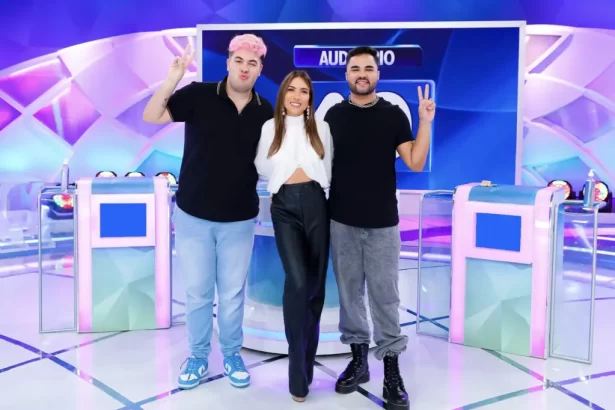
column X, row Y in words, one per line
column 139, row 369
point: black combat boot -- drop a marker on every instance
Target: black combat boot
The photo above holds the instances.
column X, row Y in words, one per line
column 394, row 391
column 356, row 372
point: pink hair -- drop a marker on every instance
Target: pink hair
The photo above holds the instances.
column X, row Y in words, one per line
column 248, row 42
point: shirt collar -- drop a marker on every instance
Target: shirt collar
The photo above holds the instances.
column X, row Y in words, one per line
column 221, row 91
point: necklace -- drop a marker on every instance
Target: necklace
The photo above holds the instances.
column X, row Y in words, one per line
column 370, row 104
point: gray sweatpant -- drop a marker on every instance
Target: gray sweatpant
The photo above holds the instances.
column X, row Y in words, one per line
column 368, row 256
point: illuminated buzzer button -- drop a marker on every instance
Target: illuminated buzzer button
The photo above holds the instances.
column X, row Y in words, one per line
column 562, row 184
column 169, row 176
column 601, row 191
column 106, row 174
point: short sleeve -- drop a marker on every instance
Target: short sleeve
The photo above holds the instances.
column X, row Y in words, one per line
column 404, row 132
column 328, row 116
column 268, row 109
column 182, row 102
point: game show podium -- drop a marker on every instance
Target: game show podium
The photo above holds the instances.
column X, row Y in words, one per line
column 122, row 254
column 502, row 260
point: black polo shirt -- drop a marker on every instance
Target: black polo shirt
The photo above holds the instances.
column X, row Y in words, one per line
column 217, row 180
column 364, row 182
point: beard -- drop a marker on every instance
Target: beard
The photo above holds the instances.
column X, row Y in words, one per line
column 353, row 87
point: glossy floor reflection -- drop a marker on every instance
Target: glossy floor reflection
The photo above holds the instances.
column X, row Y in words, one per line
column 139, row 369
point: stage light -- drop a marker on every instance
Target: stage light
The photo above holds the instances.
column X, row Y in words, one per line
column 602, row 194
column 135, row 174
column 64, row 201
column 170, row 177
column 106, row 174
column 563, row 184
column 601, row 191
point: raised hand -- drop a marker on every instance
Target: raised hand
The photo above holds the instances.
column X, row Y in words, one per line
column 427, row 107
column 180, row 65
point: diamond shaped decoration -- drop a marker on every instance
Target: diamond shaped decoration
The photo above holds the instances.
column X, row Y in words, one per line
column 110, row 83
column 248, row 11
column 30, row 152
column 218, row 4
column 133, row 119
column 170, row 140
column 583, row 118
column 106, row 146
column 160, row 162
column 69, row 115
column 604, row 84
column 537, row 45
column 574, row 170
column 177, row 48
column 182, row 41
column 26, row 85
column 7, row 114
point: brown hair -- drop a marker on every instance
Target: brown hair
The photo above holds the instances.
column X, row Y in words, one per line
column 310, row 121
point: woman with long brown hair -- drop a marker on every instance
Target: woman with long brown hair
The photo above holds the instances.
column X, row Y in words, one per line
column 294, row 154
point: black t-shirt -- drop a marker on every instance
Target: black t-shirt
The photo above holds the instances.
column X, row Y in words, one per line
column 364, row 182
column 217, row 180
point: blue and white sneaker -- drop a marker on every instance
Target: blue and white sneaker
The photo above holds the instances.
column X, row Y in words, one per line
column 236, row 371
column 193, row 373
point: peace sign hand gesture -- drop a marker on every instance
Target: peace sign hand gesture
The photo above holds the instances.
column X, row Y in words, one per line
column 427, row 107
column 180, row 65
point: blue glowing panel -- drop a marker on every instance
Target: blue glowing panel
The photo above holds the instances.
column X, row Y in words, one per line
column 505, row 194
column 122, row 185
column 123, row 220
column 502, row 232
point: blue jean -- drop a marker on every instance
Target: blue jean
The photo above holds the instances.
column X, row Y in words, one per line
column 213, row 255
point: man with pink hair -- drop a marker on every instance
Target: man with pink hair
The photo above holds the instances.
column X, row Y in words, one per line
column 217, row 203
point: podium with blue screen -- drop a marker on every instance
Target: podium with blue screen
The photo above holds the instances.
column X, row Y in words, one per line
column 505, row 289
column 123, row 248
column 501, row 264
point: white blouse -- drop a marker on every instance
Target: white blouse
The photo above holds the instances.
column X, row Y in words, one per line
column 296, row 152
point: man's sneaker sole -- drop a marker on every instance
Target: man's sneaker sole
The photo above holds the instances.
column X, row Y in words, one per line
column 237, row 384
column 192, row 386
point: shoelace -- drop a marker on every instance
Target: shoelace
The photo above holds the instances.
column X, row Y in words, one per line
column 238, row 363
column 192, row 363
column 356, row 362
column 393, row 374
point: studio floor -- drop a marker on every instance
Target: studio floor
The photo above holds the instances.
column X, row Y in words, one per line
column 139, row 369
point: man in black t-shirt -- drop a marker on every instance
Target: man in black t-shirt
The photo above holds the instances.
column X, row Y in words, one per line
column 367, row 132
column 217, row 203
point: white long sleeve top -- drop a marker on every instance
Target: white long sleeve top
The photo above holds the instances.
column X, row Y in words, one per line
column 296, row 152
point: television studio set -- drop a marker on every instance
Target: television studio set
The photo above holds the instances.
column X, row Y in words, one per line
column 229, row 204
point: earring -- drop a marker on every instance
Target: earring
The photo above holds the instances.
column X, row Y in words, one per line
column 307, row 113
column 283, row 111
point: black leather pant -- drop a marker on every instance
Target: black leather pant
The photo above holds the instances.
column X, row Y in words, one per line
column 301, row 224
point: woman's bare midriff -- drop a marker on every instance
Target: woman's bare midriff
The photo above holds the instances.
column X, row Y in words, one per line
column 298, row 177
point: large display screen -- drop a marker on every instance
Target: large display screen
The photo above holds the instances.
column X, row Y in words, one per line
column 474, row 71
